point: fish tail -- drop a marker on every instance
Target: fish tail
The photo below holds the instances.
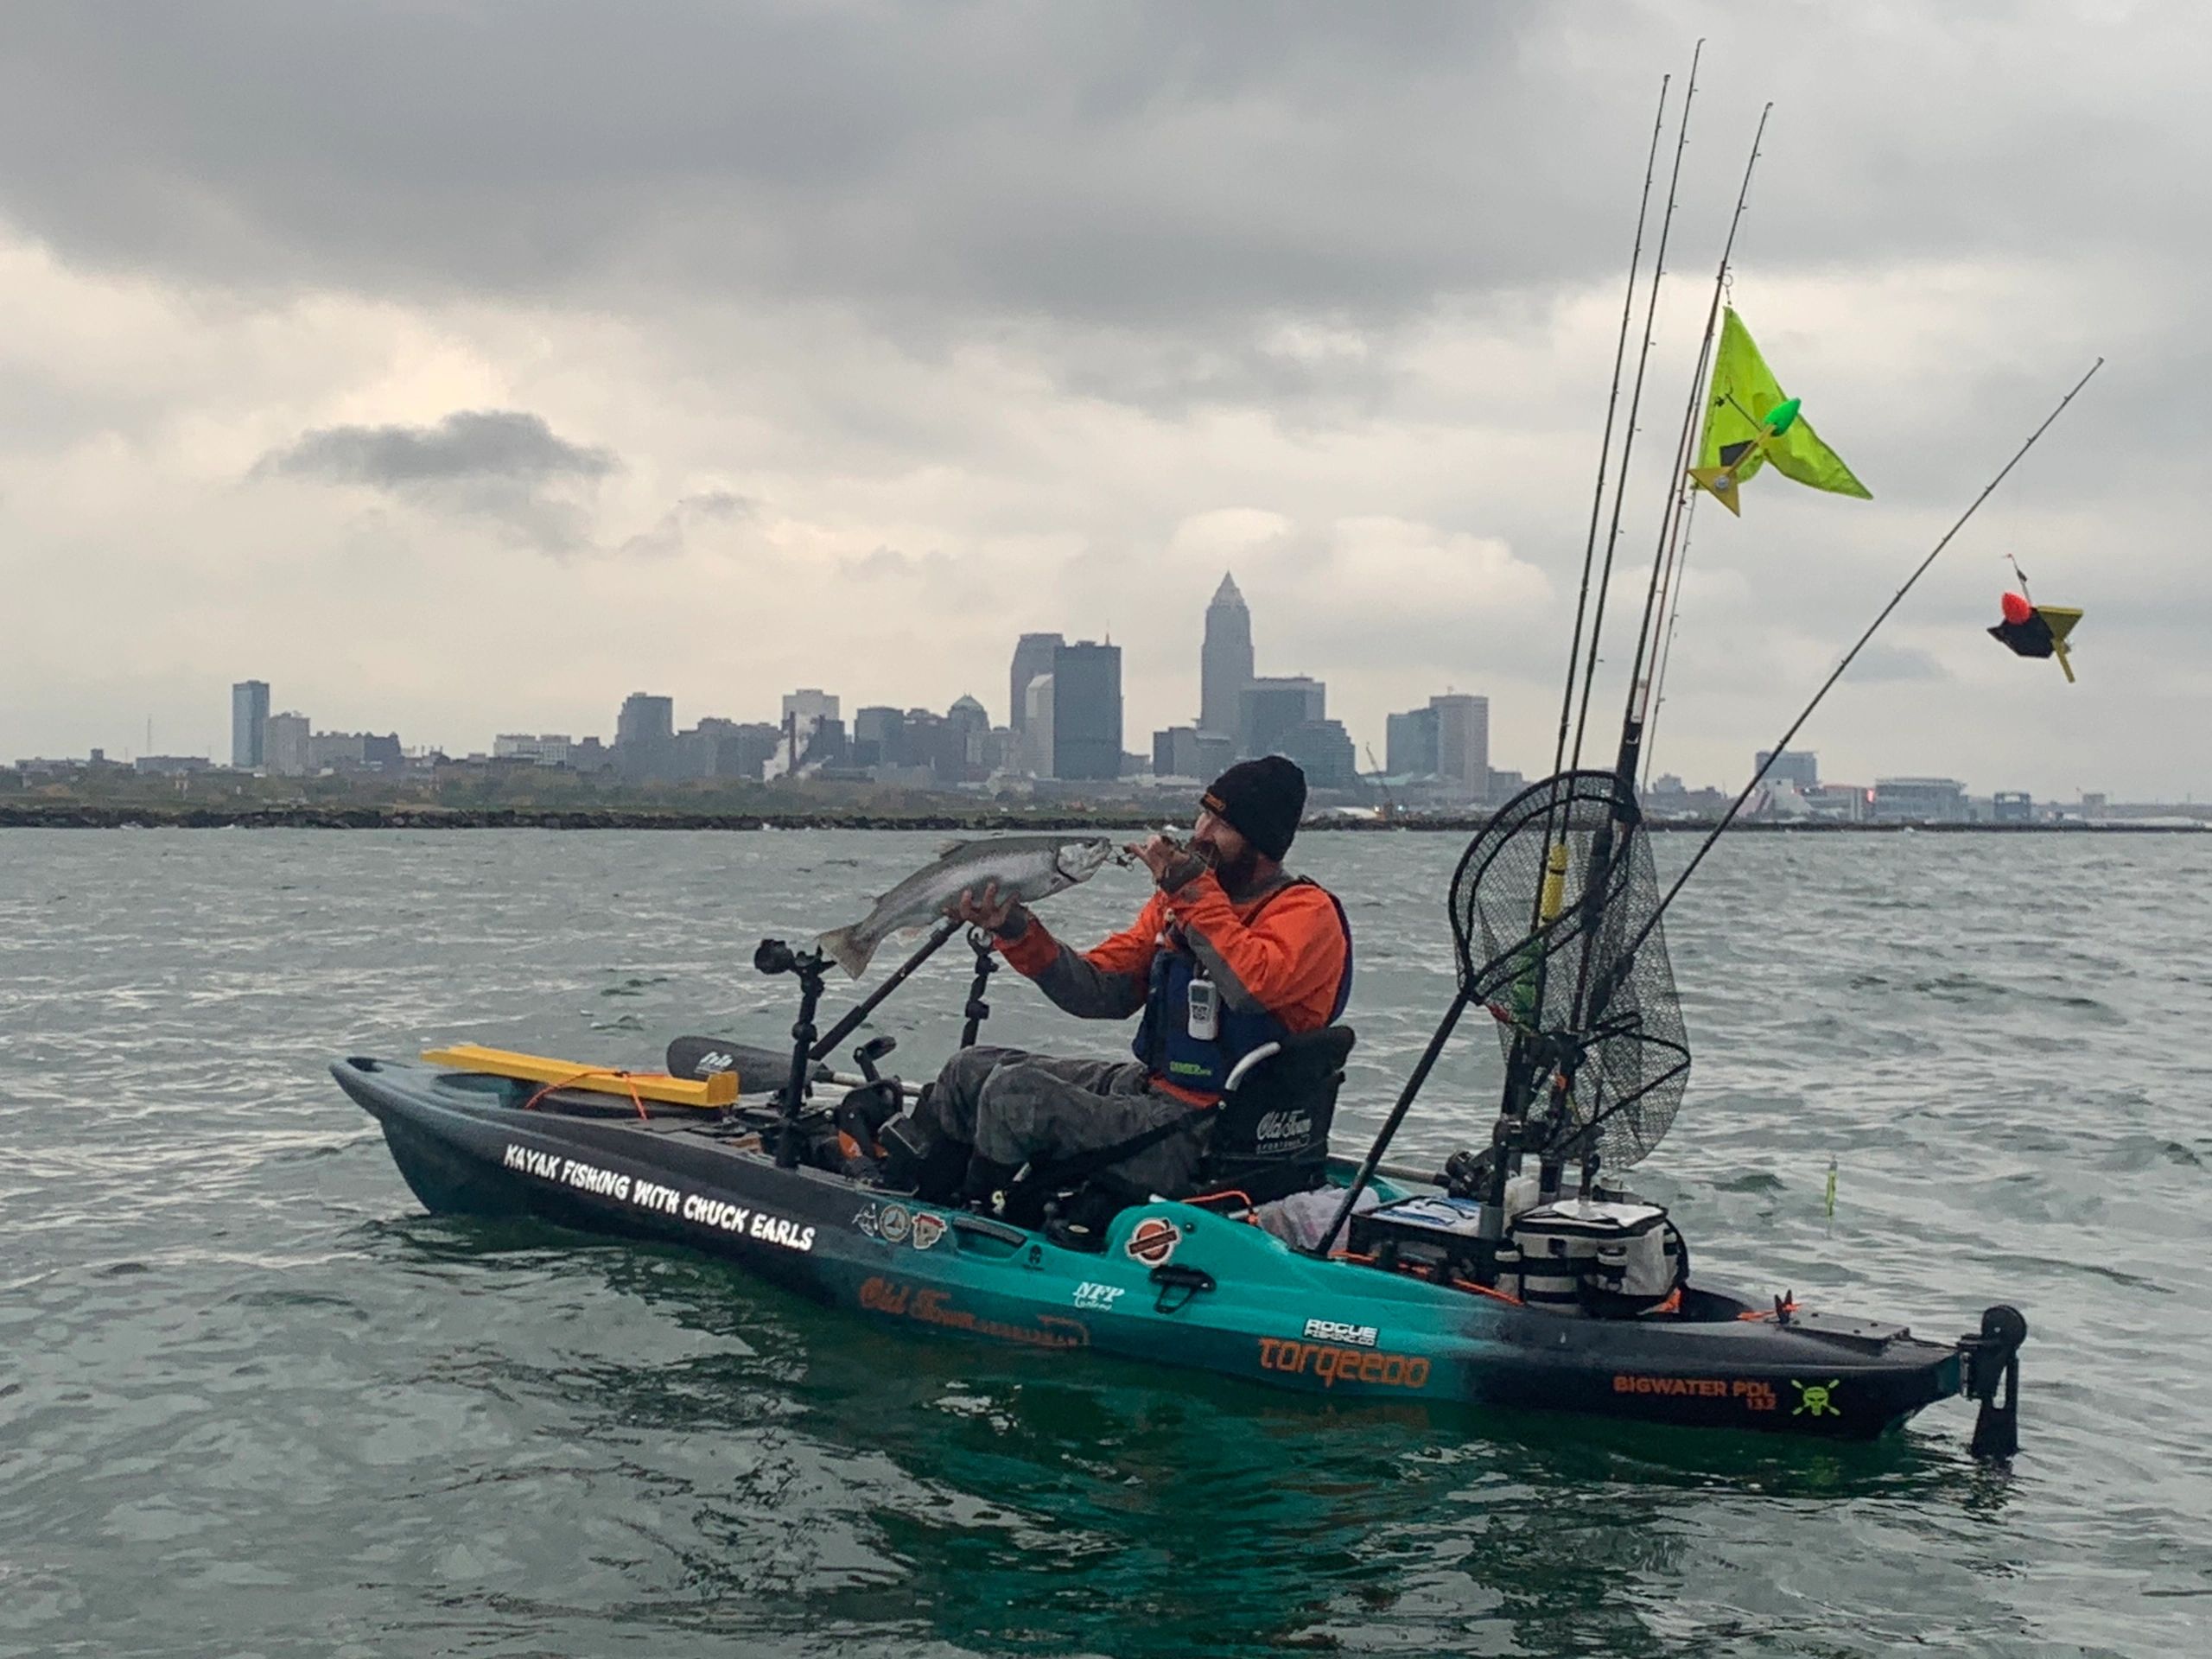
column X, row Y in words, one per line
column 850, row 946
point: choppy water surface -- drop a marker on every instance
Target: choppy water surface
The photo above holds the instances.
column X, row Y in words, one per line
column 253, row 1401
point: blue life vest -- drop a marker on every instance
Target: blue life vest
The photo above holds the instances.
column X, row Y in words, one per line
column 1200, row 1064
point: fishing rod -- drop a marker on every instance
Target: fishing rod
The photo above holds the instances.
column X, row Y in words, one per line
column 1522, row 1061
column 1895, row 599
column 1670, row 605
column 1635, row 402
column 1612, row 402
column 1671, row 515
column 944, row 930
column 1588, row 1002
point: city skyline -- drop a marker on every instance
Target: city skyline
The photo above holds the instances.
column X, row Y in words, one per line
column 1038, row 321
column 1447, row 738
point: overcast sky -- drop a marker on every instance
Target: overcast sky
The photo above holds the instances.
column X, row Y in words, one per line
column 462, row 368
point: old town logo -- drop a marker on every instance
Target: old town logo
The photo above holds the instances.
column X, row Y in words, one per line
column 1153, row 1241
column 932, row 1305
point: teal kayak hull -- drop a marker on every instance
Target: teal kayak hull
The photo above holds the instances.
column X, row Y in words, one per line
column 1174, row 1286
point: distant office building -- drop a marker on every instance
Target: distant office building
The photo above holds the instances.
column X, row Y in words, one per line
column 549, row 749
column 249, row 713
column 1033, row 655
column 1087, row 711
column 810, row 734
column 1323, row 750
column 354, row 752
column 337, row 752
column 1798, row 767
column 1189, row 752
column 879, row 736
column 745, row 749
column 1269, row 706
column 924, row 742
column 1035, row 740
column 645, row 719
column 1224, row 660
column 718, row 749
column 2013, row 806
column 171, row 765
column 643, row 733
column 1462, row 741
column 1920, row 800
column 809, row 703
column 828, row 745
column 962, row 754
column 1409, row 747
column 284, row 744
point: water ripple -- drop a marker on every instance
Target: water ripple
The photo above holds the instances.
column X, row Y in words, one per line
column 252, row 1400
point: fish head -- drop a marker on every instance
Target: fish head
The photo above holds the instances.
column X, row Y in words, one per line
column 1078, row 861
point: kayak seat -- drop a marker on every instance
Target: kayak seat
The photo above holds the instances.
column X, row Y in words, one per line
column 1266, row 1138
column 1270, row 1135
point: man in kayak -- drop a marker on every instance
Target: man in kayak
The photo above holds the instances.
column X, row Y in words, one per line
column 1229, row 954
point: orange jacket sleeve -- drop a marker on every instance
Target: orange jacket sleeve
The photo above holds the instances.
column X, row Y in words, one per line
column 1105, row 983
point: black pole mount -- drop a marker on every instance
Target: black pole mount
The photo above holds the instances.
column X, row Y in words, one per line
column 986, row 963
column 774, row 956
column 1994, row 1364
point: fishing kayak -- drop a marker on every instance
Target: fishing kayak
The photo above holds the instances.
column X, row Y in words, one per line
column 1192, row 1285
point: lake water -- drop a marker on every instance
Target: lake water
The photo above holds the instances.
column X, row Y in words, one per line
column 253, row 1401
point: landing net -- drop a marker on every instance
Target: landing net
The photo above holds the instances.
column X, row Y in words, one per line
column 1555, row 970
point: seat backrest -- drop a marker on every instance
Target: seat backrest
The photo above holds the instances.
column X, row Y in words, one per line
column 1271, row 1130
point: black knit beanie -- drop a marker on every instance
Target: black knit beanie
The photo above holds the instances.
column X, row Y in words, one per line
column 1261, row 800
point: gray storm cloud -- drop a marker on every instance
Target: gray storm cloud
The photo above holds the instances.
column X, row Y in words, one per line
column 469, row 444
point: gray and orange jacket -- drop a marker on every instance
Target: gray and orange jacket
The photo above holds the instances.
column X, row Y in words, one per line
column 1281, row 960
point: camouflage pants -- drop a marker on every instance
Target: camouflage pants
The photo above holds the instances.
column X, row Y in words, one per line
column 1015, row 1107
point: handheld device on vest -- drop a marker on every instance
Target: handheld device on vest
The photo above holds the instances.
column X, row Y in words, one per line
column 1190, row 1036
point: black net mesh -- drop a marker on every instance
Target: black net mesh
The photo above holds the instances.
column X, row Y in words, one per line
column 1555, row 970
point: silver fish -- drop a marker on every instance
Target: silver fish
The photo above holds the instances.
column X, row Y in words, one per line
column 1027, row 867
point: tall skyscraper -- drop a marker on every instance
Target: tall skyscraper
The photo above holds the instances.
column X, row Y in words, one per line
column 1033, row 655
column 1462, row 741
column 1225, row 659
column 1087, row 711
column 249, row 718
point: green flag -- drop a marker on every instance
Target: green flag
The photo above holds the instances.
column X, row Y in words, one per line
column 1749, row 421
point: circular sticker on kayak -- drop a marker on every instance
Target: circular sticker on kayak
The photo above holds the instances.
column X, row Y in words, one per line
column 894, row 1223
column 1154, row 1240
